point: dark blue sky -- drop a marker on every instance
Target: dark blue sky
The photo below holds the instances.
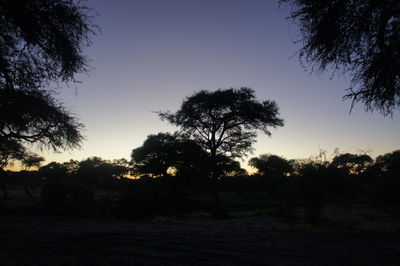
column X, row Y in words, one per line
column 153, row 53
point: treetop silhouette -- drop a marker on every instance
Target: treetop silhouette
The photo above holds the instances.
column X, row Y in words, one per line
column 40, row 43
column 225, row 121
column 359, row 37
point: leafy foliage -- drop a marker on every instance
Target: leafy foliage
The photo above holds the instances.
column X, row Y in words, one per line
column 353, row 163
column 225, row 121
column 42, row 41
column 40, row 44
column 359, row 37
column 164, row 151
column 10, row 150
column 34, row 116
column 31, row 160
column 271, row 164
column 98, row 172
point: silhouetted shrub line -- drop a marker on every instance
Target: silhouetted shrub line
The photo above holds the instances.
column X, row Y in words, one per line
column 299, row 195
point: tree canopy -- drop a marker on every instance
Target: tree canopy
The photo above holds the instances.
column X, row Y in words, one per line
column 389, row 162
column 225, row 121
column 34, row 116
column 353, row 163
column 165, row 151
column 40, row 44
column 271, row 164
column 41, row 41
column 359, row 37
column 30, row 160
column 10, row 150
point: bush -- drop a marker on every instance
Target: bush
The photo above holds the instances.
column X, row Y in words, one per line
column 388, row 196
column 316, row 185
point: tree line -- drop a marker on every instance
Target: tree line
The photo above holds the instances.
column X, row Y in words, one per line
column 170, row 178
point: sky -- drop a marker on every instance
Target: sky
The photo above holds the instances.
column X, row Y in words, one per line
column 151, row 54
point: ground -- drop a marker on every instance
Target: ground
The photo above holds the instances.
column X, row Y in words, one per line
column 29, row 239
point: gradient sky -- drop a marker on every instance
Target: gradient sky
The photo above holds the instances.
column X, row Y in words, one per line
column 152, row 54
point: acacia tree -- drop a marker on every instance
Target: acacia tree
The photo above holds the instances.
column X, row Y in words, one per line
column 40, row 44
column 352, row 163
column 30, row 160
column 360, row 37
column 163, row 152
column 9, row 150
column 224, row 122
column 271, row 164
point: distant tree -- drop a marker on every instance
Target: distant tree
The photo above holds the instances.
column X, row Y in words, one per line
column 95, row 171
column 10, row 150
column 40, row 44
column 271, row 164
column 31, row 160
column 389, row 162
column 387, row 186
column 359, row 37
column 163, row 152
column 352, row 163
column 53, row 171
column 226, row 166
column 224, row 122
column 90, row 171
column 71, row 167
column 316, row 184
column 119, row 168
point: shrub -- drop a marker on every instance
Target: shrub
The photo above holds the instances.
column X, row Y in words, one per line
column 316, row 185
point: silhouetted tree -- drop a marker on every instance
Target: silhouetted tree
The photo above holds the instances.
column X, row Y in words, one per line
column 352, row 163
column 34, row 116
column 31, row 178
column 388, row 185
column 40, row 44
column 41, row 41
column 224, row 122
column 95, row 171
column 271, row 164
column 10, row 150
column 315, row 184
column 31, row 160
column 389, row 162
column 71, row 167
column 164, row 153
column 226, row 166
column 118, row 168
column 53, row 172
column 360, row 37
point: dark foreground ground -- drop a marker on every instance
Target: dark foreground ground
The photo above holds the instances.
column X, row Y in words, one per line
column 52, row 240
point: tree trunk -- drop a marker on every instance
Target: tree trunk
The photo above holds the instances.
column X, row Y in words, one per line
column 219, row 209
